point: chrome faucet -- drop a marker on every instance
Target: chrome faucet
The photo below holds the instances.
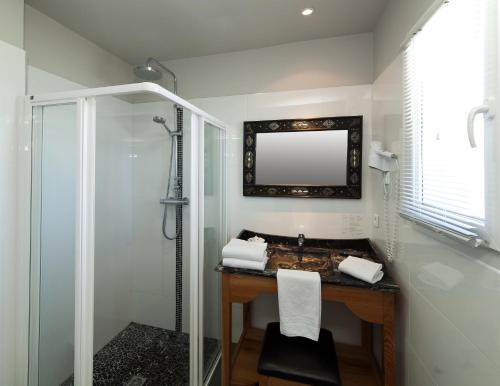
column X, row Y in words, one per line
column 300, row 241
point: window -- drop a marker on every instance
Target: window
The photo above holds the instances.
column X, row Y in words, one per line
column 450, row 70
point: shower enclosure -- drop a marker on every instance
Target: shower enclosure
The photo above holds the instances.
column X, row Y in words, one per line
column 105, row 289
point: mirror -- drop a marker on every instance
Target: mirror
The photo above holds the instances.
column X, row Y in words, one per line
column 303, row 158
column 285, row 158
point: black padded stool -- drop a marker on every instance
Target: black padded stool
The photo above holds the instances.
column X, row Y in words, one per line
column 299, row 359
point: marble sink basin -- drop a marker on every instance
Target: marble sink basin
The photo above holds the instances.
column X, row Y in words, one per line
column 307, row 259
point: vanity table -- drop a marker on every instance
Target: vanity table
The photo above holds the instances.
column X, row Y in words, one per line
column 373, row 304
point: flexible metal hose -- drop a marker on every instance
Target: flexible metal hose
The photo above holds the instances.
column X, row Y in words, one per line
column 173, row 150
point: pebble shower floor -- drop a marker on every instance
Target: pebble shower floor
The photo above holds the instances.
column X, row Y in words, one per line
column 142, row 355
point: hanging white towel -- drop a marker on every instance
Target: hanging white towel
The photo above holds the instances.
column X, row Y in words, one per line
column 245, row 264
column 245, row 250
column 362, row 269
column 299, row 296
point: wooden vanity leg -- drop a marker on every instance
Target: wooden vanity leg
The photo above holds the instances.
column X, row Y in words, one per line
column 247, row 315
column 367, row 337
column 389, row 340
column 226, row 330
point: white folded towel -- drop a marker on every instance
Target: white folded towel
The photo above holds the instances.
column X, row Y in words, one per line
column 362, row 269
column 245, row 264
column 245, row 250
column 299, row 296
column 256, row 239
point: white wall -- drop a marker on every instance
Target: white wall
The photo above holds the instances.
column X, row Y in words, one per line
column 392, row 27
column 448, row 322
column 12, row 80
column 323, row 218
column 54, row 48
column 317, row 217
column 339, row 61
column 11, row 25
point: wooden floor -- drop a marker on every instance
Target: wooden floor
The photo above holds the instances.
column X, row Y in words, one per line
column 356, row 367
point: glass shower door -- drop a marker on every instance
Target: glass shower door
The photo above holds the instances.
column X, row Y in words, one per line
column 214, row 236
column 52, row 313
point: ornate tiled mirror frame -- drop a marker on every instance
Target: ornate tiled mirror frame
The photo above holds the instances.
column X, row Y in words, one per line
column 352, row 188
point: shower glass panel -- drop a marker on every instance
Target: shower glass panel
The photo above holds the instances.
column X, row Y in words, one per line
column 214, row 237
column 141, row 278
column 52, row 310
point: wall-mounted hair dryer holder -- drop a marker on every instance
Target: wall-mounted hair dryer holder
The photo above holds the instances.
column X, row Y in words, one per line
column 382, row 160
column 387, row 162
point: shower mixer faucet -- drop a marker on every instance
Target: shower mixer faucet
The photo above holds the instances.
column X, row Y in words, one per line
column 174, row 201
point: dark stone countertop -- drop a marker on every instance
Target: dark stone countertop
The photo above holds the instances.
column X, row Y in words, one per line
column 339, row 250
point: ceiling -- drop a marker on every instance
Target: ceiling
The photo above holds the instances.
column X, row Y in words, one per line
column 173, row 29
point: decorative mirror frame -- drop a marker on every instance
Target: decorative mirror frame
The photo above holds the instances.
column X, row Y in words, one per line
column 352, row 188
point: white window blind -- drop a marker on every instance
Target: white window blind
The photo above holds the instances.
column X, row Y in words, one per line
column 449, row 69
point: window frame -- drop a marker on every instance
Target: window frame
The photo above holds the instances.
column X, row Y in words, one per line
column 487, row 230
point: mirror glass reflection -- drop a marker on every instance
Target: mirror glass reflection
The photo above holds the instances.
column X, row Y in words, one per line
column 317, row 158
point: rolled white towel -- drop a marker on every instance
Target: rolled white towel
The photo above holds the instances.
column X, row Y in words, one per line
column 362, row 269
column 245, row 264
column 244, row 250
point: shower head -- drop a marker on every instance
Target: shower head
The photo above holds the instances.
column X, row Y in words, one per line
column 147, row 72
column 153, row 70
column 159, row 120
column 162, row 121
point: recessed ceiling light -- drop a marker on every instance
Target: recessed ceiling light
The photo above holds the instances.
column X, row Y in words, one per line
column 307, row 11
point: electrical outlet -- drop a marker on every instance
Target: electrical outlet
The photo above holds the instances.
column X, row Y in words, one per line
column 376, row 220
